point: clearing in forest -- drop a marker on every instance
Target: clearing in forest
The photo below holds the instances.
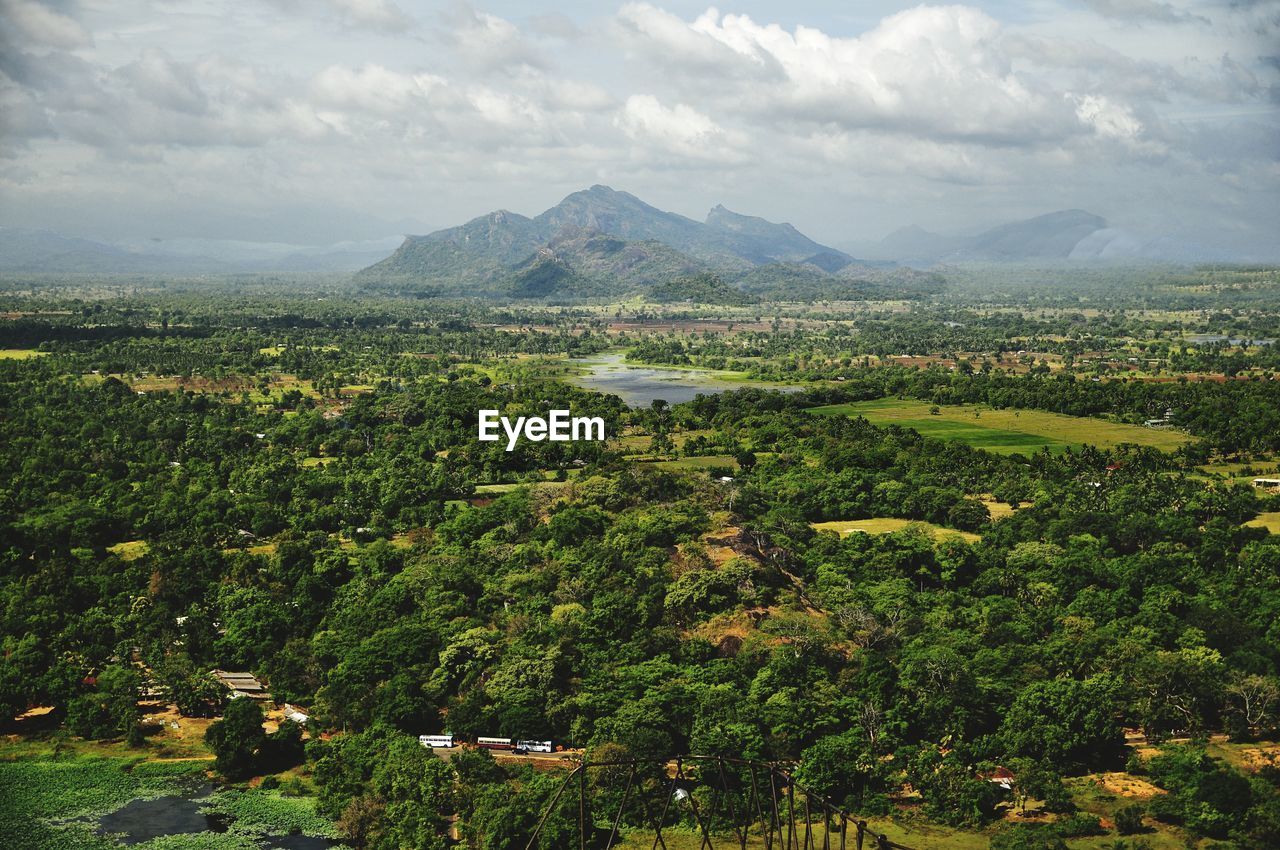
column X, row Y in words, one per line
column 1005, row 431
column 1270, row 520
column 884, row 525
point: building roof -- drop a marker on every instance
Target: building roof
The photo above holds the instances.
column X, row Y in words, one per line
column 241, row 684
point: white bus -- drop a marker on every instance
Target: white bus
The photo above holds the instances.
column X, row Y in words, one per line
column 496, row 743
column 533, row 747
column 436, row 741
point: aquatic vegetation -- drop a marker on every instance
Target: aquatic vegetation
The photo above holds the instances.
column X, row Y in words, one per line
column 48, row 802
column 269, row 812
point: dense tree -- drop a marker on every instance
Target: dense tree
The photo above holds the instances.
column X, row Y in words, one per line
column 236, row 738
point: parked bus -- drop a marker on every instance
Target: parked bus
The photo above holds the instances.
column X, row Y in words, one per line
column 436, row 741
column 533, row 747
column 496, row 743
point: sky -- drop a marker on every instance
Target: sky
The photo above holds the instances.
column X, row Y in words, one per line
column 318, row 121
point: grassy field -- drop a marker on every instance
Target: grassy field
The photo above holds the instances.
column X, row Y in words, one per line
column 939, row 838
column 703, row 462
column 1270, row 520
column 130, row 550
column 1005, row 431
column 997, row 508
column 20, row 353
column 885, row 525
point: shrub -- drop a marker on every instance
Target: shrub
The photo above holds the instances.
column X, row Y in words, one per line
column 1079, row 826
column 1129, row 819
column 1167, row 809
column 1027, row 837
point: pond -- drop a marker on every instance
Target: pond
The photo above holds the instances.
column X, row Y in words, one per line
column 638, row 386
column 143, row 820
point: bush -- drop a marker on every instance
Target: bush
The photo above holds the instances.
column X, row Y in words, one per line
column 1026, row 837
column 1166, row 808
column 1129, row 819
column 1079, row 826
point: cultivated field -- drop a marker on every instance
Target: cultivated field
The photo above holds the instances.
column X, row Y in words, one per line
column 885, row 525
column 1005, row 431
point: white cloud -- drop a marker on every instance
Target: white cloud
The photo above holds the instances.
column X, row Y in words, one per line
column 373, row 14
column 487, row 41
column 374, row 88
column 679, row 130
column 38, row 25
column 157, row 78
column 932, row 113
column 1142, row 10
column 940, row 71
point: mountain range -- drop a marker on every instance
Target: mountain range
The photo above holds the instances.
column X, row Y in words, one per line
column 599, row 242
column 604, row 243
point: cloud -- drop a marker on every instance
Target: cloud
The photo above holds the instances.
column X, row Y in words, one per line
column 680, row 130
column 1143, row 10
column 932, row 113
column 487, row 41
column 38, row 25
column 936, row 71
column 156, row 78
column 381, row 15
column 374, row 89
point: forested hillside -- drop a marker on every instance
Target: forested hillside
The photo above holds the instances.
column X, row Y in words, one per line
column 297, row 491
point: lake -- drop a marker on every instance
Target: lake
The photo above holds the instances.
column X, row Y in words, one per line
column 638, row 386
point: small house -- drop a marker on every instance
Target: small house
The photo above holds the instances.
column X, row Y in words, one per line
column 297, row 715
column 241, row 685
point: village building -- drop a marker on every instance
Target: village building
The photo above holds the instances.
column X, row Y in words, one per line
column 242, row 685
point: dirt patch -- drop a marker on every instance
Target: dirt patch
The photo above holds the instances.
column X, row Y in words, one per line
column 1124, row 785
column 177, row 734
column 1263, row 755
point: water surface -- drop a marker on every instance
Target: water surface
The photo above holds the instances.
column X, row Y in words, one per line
column 638, row 386
column 143, row 820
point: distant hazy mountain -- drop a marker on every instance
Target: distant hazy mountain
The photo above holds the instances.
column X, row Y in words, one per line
column 40, row 251
column 915, row 244
column 1057, row 235
column 1046, row 236
column 275, row 256
column 598, row 241
column 765, row 242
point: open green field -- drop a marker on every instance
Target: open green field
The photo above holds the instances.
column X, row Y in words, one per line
column 19, row 353
column 130, row 550
column 1005, row 431
column 494, row 489
column 699, row 462
column 885, row 525
column 1270, row 520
